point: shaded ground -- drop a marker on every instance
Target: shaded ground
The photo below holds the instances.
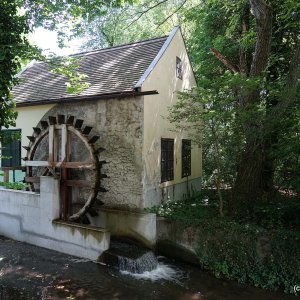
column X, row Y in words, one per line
column 29, row 272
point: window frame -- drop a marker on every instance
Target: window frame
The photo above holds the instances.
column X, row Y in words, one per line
column 186, row 158
column 11, row 149
column 167, row 159
column 179, row 71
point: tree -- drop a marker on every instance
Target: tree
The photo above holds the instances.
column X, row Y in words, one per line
column 129, row 23
column 14, row 47
column 17, row 19
column 247, row 59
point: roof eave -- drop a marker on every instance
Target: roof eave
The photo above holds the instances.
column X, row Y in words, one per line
column 117, row 95
column 162, row 50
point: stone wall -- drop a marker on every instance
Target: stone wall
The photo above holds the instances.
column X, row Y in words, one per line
column 119, row 122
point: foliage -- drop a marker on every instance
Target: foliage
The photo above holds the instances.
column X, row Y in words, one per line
column 130, row 23
column 276, row 214
column 263, row 251
column 68, row 67
column 14, row 185
column 66, row 16
column 191, row 210
column 14, row 47
column 247, row 253
column 247, row 122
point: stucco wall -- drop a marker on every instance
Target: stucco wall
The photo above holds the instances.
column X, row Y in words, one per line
column 156, row 125
column 119, row 122
column 28, row 117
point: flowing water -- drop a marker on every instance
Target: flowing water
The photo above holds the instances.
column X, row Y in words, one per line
column 29, row 272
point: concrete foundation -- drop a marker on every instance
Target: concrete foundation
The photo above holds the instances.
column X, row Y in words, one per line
column 137, row 226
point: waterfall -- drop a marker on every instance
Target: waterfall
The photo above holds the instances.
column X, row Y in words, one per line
column 130, row 257
column 144, row 263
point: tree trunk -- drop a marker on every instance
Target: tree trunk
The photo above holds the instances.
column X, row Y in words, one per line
column 248, row 187
column 249, row 184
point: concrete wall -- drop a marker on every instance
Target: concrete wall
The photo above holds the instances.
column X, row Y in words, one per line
column 156, row 125
column 28, row 217
column 136, row 226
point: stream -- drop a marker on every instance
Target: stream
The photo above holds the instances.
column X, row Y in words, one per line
column 30, row 272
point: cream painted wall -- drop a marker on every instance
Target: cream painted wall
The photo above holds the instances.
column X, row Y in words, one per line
column 29, row 117
column 156, row 126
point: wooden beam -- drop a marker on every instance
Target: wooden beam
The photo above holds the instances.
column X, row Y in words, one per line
column 75, row 165
column 5, row 176
column 64, row 149
column 94, row 139
column 78, row 124
column 32, row 179
column 44, row 124
column 87, row 130
column 67, row 165
column 60, row 119
column 26, row 148
column 99, row 150
column 52, row 120
column 37, row 130
column 31, row 138
column 37, row 163
column 70, row 120
column 77, row 183
column 51, row 144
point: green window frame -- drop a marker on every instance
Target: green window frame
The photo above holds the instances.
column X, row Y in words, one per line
column 186, row 158
column 167, row 159
column 11, row 148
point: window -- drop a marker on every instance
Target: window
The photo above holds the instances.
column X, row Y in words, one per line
column 186, row 158
column 178, row 68
column 167, row 159
column 11, row 148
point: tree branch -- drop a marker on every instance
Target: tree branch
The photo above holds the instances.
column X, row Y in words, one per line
column 143, row 12
column 244, row 29
column 292, row 83
column 263, row 16
column 172, row 14
column 224, row 60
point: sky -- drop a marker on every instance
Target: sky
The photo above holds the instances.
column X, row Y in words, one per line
column 47, row 40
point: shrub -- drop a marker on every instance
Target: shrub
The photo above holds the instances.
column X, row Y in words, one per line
column 248, row 253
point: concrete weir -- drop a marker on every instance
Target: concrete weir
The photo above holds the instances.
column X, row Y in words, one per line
column 33, row 218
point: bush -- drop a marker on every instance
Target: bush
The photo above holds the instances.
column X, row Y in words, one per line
column 248, row 253
column 14, row 185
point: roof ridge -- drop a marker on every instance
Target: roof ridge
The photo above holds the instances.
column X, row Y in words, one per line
column 118, row 47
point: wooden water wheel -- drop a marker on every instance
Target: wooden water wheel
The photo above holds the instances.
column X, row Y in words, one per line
column 51, row 153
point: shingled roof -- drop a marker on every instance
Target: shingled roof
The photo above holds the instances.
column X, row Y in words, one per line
column 110, row 71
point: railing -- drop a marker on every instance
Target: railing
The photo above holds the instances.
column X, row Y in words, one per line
column 6, row 172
